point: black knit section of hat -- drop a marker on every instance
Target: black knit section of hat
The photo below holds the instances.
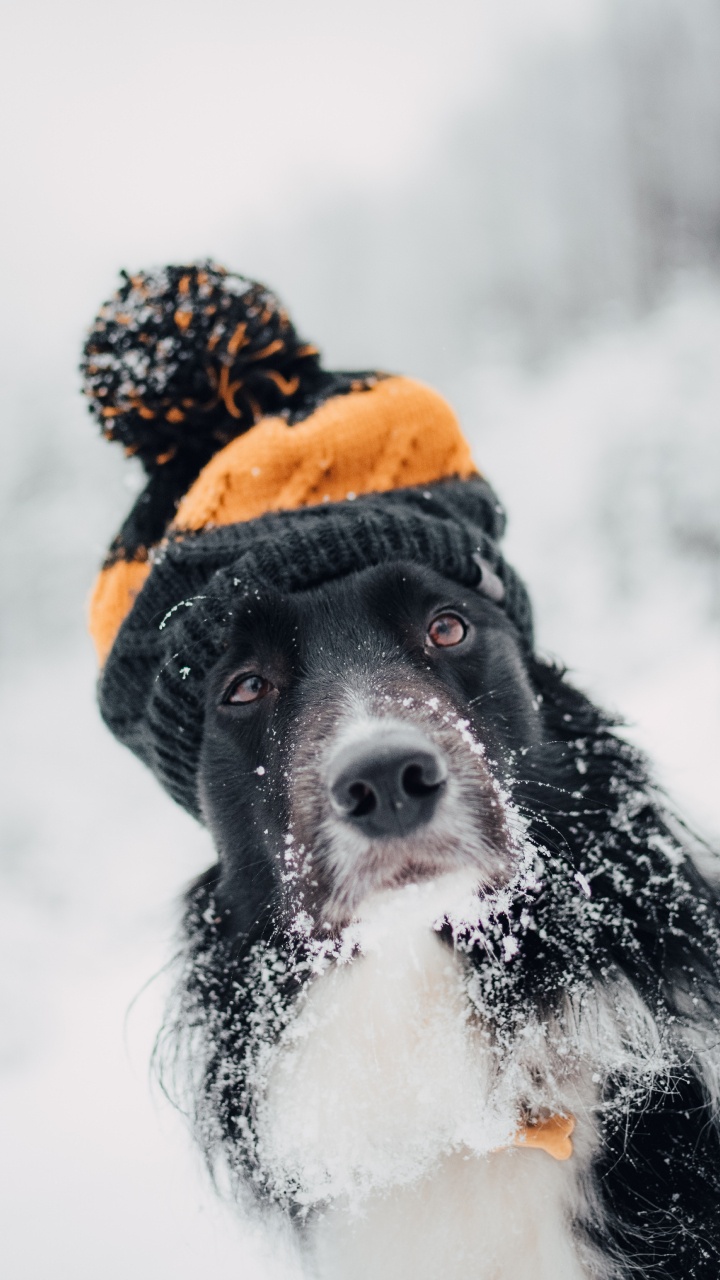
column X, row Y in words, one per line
column 152, row 688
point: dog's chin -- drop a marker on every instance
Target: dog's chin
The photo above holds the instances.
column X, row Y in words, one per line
column 413, row 873
column 424, row 902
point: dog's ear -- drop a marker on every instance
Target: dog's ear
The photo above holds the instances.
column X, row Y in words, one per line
column 489, row 584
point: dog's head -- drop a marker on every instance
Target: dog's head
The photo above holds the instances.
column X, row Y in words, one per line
column 361, row 735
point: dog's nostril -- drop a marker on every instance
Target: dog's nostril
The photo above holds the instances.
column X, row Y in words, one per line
column 364, row 800
column 419, row 781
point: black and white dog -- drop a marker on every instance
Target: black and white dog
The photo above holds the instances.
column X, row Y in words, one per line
column 450, row 996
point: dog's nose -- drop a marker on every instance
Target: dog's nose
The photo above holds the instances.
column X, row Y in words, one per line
column 389, row 783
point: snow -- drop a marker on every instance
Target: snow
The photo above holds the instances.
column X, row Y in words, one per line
column 363, row 1091
column 97, row 1174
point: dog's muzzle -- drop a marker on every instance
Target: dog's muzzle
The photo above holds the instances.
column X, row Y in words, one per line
column 388, row 784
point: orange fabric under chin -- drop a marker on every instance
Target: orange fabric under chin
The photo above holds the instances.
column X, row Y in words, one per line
column 398, row 434
column 553, row 1135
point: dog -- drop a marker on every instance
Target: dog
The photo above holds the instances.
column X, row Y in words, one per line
column 448, row 1001
column 448, row 903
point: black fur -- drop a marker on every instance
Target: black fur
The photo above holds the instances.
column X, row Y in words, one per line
column 652, row 918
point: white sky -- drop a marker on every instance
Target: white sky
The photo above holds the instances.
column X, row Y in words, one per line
column 148, row 130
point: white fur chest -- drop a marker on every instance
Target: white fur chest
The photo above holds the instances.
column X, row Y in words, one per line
column 379, row 1107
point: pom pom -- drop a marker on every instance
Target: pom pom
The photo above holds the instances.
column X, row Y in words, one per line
column 184, row 359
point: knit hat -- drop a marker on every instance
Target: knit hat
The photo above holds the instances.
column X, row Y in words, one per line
column 263, row 468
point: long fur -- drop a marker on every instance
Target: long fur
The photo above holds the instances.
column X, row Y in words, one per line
column 594, row 976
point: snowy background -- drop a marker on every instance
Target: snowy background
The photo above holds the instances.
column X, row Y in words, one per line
column 518, row 200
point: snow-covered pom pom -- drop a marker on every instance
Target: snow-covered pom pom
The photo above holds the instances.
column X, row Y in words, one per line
column 186, row 358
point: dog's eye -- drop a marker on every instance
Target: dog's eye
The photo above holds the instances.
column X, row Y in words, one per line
column 446, row 630
column 247, row 689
